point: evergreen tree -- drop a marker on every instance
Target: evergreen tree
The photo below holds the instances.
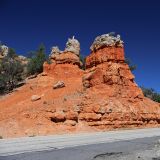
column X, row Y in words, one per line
column 37, row 58
column 131, row 66
column 10, row 72
column 151, row 93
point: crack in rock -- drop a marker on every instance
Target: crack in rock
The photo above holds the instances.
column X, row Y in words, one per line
column 107, row 155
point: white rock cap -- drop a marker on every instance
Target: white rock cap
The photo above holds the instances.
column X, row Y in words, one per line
column 73, row 45
column 107, row 40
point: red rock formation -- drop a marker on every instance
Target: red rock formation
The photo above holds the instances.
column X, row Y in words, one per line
column 113, row 94
column 61, row 70
column 66, row 57
column 105, row 54
column 70, row 55
column 107, row 66
column 103, row 97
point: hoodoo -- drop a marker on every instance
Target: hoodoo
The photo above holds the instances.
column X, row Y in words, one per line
column 69, row 56
column 112, row 91
column 104, row 96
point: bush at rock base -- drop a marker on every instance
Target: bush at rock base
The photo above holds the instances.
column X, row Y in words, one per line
column 151, row 93
column 37, row 58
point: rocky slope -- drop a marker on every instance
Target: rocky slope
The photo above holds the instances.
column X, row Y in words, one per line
column 66, row 99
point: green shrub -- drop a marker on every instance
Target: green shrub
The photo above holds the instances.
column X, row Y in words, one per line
column 83, row 60
column 36, row 61
column 12, row 53
column 11, row 71
column 151, row 93
column 131, row 66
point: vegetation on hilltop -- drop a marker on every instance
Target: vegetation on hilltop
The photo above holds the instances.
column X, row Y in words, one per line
column 36, row 60
column 11, row 72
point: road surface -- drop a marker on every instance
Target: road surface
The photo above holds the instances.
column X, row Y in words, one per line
column 87, row 146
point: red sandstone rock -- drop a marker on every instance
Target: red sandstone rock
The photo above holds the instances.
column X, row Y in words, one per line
column 58, row 117
column 105, row 55
column 62, row 70
column 72, row 116
column 103, row 97
column 59, row 84
column 107, row 66
column 89, row 117
column 70, row 123
column 66, row 57
column 35, row 98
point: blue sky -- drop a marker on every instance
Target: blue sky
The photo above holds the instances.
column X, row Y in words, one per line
column 25, row 24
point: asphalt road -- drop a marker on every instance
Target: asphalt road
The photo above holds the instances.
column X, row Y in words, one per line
column 141, row 144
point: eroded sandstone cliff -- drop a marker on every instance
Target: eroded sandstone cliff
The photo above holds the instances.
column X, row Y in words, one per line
column 103, row 97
